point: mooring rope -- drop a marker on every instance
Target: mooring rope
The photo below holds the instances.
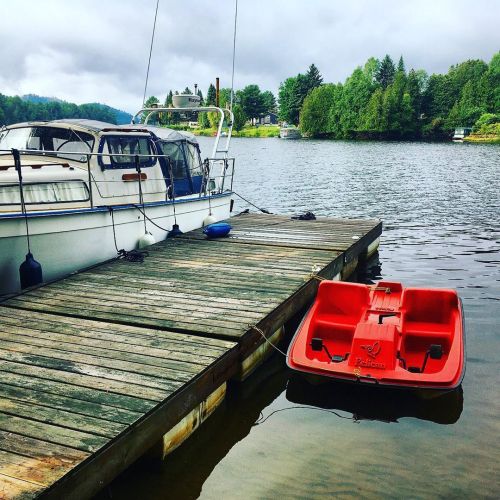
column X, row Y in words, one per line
column 258, row 330
column 263, row 210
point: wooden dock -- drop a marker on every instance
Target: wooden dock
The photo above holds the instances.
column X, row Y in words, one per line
column 97, row 368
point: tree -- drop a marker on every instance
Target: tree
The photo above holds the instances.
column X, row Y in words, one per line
column 269, row 101
column 357, row 91
column 386, row 72
column 251, row 101
column 316, row 110
column 239, row 117
column 211, row 95
column 371, row 120
column 285, row 98
column 168, row 99
column 468, row 109
column 291, row 96
column 224, row 97
column 151, row 102
column 186, row 91
column 401, row 65
column 314, row 77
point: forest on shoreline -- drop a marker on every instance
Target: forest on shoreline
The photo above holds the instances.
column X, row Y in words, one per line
column 380, row 100
column 31, row 107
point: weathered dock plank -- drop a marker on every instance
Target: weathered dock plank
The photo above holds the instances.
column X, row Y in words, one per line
column 96, row 367
column 75, row 394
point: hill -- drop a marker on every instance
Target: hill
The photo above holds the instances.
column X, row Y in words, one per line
column 32, row 107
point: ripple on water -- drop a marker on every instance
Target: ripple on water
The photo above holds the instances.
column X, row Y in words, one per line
column 439, row 204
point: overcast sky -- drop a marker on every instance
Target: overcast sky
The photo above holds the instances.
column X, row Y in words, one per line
column 97, row 50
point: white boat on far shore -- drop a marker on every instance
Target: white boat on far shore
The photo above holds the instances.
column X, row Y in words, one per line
column 290, row 132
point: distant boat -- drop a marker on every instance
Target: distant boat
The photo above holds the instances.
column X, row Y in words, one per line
column 461, row 133
column 290, row 132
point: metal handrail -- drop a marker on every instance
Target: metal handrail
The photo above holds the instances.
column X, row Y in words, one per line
column 200, row 109
column 222, row 176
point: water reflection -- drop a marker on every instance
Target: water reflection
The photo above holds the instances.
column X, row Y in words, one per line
column 377, row 403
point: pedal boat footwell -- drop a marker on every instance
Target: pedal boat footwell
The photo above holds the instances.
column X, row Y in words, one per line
column 387, row 335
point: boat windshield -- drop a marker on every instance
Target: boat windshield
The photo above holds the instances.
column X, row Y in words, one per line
column 68, row 143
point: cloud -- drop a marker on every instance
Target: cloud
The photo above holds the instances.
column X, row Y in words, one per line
column 86, row 51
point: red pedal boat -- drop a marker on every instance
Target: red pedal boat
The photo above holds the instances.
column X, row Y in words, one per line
column 390, row 335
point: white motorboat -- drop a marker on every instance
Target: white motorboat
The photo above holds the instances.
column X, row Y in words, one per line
column 290, row 132
column 76, row 191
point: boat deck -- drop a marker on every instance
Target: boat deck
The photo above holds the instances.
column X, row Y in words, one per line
column 97, row 367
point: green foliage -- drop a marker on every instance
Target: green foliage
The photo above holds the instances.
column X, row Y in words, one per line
column 314, row 77
column 401, row 65
column 255, row 103
column 251, row 101
column 32, row 108
column 224, row 97
column 239, row 117
column 294, row 90
column 211, row 95
column 269, row 101
column 486, row 119
column 316, row 110
column 384, row 102
column 386, row 72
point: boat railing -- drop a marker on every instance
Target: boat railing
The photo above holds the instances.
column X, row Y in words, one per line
column 216, row 172
column 225, row 115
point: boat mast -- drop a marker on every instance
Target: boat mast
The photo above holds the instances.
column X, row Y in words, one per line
column 150, row 52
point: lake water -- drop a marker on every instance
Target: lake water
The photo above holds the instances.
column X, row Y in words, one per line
column 441, row 213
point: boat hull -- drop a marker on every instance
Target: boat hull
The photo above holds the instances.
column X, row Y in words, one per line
column 386, row 336
column 67, row 241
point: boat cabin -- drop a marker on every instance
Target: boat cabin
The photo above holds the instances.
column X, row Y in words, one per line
column 84, row 163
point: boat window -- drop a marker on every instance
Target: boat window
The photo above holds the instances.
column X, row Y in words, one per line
column 194, row 159
column 66, row 143
column 177, row 162
column 114, row 146
column 45, row 192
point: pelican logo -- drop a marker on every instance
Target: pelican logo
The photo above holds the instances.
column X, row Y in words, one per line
column 372, row 350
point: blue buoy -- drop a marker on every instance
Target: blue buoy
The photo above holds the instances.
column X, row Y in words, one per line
column 217, row 230
column 175, row 231
column 30, row 272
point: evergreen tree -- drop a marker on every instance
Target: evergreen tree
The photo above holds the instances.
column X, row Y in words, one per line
column 401, row 65
column 251, row 101
column 239, row 117
column 386, row 72
column 211, row 95
column 168, row 100
column 371, row 120
column 269, row 101
column 314, row 77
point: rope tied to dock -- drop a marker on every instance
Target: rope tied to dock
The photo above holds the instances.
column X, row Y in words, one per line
column 263, row 210
column 317, row 277
column 263, row 335
column 132, row 255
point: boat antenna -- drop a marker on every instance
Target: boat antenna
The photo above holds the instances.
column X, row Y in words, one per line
column 234, row 55
column 150, row 52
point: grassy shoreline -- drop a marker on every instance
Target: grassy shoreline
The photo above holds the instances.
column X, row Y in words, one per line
column 260, row 131
column 483, row 139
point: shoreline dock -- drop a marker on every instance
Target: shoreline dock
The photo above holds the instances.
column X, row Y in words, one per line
column 99, row 367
